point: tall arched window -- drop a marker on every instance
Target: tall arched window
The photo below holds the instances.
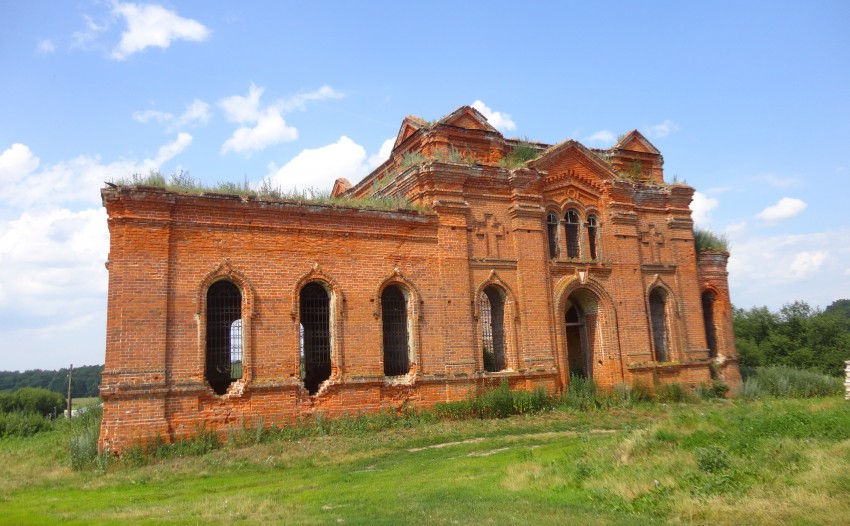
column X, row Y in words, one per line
column 315, row 336
column 396, row 345
column 571, row 227
column 708, row 299
column 224, row 335
column 660, row 331
column 492, row 316
column 552, row 232
column 592, row 235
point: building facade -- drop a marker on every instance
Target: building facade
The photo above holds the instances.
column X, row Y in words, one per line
column 512, row 260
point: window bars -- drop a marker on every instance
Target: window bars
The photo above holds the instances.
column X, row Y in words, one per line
column 315, row 336
column 224, row 335
column 394, row 316
column 492, row 317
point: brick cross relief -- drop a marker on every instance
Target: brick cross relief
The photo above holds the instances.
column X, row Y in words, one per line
column 490, row 230
column 654, row 240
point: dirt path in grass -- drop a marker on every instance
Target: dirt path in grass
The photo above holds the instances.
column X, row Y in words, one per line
column 515, row 438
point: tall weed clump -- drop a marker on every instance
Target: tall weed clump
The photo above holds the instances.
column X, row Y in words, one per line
column 785, row 382
column 23, row 424
column 83, row 431
column 500, row 402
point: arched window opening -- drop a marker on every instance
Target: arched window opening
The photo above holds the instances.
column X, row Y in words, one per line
column 571, row 227
column 592, row 235
column 708, row 300
column 315, row 336
column 552, row 231
column 396, row 345
column 492, row 316
column 660, row 331
column 224, row 335
column 578, row 352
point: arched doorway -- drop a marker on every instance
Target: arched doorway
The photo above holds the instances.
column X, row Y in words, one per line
column 580, row 319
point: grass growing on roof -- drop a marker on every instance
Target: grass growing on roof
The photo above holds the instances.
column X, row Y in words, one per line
column 707, row 241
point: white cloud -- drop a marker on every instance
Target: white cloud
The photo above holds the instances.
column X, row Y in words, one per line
column 78, row 179
column 383, row 154
column 774, row 270
column 805, row 263
column 85, row 38
column 500, row 121
column 701, row 206
column 46, row 47
column 151, row 25
column 602, row 137
column 663, row 129
column 777, row 181
column 786, row 208
column 298, row 102
column 320, row 167
column 243, row 109
column 270, row 129
column 197, row 111
column 16, row 162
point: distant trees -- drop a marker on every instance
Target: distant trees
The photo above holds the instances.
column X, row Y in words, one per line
column 85, row 383
column 797, row 336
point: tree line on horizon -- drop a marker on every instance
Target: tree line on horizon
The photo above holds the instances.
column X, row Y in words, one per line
column 84, row 383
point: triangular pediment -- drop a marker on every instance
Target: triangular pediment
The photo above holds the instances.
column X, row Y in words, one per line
column 570, row 159
column 409, row 126
column 634, row 141
column 469, row 118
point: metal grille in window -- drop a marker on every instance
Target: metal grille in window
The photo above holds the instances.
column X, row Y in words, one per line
column 571, row 226
column 315, row 336
column 552, row 231
column 492, row 316
column 224, row 335
column 658, row 315
column 394, row 315
column 592, row 228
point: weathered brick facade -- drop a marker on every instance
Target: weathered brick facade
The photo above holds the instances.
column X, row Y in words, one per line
column 578, row 260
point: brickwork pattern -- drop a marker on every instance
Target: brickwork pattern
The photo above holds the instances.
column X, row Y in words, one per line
column 485, row 225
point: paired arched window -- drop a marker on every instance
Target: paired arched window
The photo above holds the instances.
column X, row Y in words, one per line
column 396, row 336
column 572, row 226
column 660, row 324
column 552, row 233
column 224, row 335
column 315, row 336
column 492, row 316
column 592, row 233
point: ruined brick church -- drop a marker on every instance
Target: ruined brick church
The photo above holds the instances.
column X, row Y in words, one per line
column 511, row 260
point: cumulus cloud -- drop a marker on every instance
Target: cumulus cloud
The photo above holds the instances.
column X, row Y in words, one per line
column 78, row 179
column 601, row 137
column 663, row 129
column 46, row 47
column 150, row 25
column 197, row 112
column 270, row 129
column 786, row 208
column 771, row 270
column 383, row 154
column 320, row 167
column 265, row 126
column 499, row 120
column 701, row 206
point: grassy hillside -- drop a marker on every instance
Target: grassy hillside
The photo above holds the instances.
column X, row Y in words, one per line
column 715, row 462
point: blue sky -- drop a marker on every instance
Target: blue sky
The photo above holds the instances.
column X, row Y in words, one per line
column 748, row 101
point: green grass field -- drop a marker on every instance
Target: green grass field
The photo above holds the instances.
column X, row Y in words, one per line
column 773, row 461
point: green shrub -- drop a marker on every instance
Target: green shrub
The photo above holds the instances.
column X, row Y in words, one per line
column 581, row 394
column 707, row 241
column 32, row 400
column 21, row 424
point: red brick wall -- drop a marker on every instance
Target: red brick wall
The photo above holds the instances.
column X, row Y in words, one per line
column 485, row 227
